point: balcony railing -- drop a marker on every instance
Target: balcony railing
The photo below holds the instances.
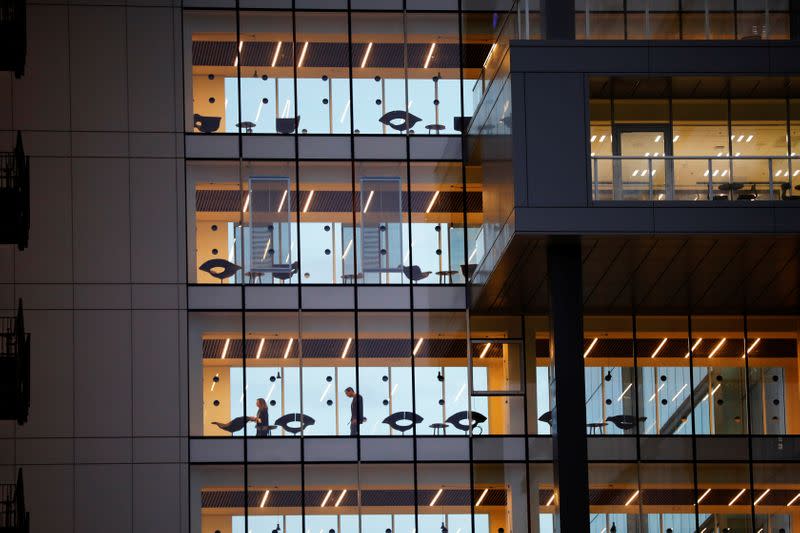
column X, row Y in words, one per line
column 13, row 39
column 13, row 516
column 695, row 178
column 15, row 368
column 15, row 196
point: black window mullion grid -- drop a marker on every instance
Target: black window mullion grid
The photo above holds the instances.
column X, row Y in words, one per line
column 694, row 432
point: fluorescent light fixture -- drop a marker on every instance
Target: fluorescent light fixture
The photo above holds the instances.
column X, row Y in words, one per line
column 433, row 201
column 214, row 383
column 793, row 500
column 625, row 391
column 246, row 203
column 736, row 497
column 694, row 347
column 716, row 348
column 344, row 112
column 347, row 347
column 430, row 55
column 236, row 60
column 705, row 173
column 594, row 138
column 308, row 201
column 633, row 497
column 589, row 349
column 485, row 349
column 369, row 201
column 260, row 348
column 277, row 53
column 725, row 172
column 796, row 173
column 483, row 495
column 283, row 200
column 675, row 139
column 703, row 496
column 264, row 498
column 433, row 501
column 658, row 138
column 347, row 250
column 225, row 348
column 758, row 500
column 750, row 349
column 328, row 495
column 661, row 345
column 288, row 348
column 715, row 389
column 680, row 391
column 602, row 138
column 418, row 345
column 741, row 137
column 302, row 55
column 749, row 138
column 635, row 172
column 366, row 55
column 489, row 55
column 716, row 173
column 551, row 499
column 340, row 498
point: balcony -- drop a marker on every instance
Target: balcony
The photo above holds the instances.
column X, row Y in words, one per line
column 14, row 195
column 695, row 178
column 15, row 371
column 13, row 516
column 12, row 36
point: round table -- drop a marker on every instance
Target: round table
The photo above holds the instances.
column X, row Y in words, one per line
column 446, row 274
column 439, row 427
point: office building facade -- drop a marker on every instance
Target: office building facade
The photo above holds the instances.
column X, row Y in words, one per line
column 396, row 266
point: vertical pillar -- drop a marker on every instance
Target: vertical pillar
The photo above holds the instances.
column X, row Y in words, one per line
column 558, row 20
column 794, row 20
column 570, row 461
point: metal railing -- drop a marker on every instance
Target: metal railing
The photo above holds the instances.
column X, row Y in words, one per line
column 693, row 178
column 13, row 516
column 15, row 368
column 13, row 38
column 15, row 196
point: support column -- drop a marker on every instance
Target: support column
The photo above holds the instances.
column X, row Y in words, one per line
column 558, row 20
column 794, row 20
column 570, row 464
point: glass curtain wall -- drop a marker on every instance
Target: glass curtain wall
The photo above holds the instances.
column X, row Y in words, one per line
column 678, row 376
column 682, row 19
column 728, row 139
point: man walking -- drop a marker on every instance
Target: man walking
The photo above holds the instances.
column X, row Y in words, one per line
column 356, row 411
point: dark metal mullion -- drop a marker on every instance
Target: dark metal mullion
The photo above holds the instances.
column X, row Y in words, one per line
column 694, row 432
column 242, row 314
column 749, row 424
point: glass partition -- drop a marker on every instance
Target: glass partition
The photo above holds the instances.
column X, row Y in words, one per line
column 266, row 73
column 686, row 19
column 326, row 222
column 214, row 60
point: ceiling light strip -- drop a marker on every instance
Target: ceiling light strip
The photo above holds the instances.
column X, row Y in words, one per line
column 288, row 348
column 340, row 498
column 328, row 495
column 435, row 498
column 483, row 495
column 655, row 353
column 347, row 347
column 694, row 347
column 589, row 349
